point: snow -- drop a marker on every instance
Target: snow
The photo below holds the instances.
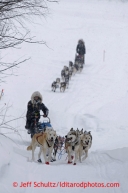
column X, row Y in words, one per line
column 97, row 98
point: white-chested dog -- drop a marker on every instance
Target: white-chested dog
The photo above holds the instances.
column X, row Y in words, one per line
column 62, row 86
column 85, row 145
column 72, row 144
column 46, row 142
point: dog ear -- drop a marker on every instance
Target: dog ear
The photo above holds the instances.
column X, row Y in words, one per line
column 82, row 130
column 89, row 132
column 85, row 132
column 75, row 133
column 71, row 129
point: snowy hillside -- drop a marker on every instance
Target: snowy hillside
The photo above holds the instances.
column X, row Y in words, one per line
column 96, row 100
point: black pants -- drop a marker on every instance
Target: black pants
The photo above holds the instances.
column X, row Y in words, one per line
column 30, row 124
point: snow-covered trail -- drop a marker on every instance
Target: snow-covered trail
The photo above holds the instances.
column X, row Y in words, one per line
column 100, row 167
column 97, row 99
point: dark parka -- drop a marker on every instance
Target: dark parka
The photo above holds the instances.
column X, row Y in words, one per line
column 34, row 109
column 80, row 49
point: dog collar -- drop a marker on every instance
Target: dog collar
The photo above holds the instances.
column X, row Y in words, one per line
column 73, row 147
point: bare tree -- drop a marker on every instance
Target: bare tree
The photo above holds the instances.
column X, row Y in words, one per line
column 14, row 17
column 13, row 25
column 6, row 123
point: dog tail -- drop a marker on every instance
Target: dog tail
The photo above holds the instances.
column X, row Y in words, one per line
column 29, row 148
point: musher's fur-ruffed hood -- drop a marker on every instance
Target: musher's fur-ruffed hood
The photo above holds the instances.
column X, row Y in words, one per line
column 36, row 93
column 81, row 40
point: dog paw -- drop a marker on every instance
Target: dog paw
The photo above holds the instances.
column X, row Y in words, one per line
column 52, row 160
column 69, row 162
column 47, row 163
column 74, row 164
column 39, row 160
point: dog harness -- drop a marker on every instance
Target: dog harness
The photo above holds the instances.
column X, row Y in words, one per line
column 84, row 146
column 38, row 137
column 73, row 146
column 46, row 140
column 48, row 144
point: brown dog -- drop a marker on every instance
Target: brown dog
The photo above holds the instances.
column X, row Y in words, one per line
column 46, row 142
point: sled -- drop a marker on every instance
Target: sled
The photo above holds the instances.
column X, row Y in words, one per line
column 40, row 126
column 79, row 59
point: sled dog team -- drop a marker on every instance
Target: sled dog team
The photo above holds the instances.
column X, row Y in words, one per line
column 77, row 144
column 66, row 74
column 68, row 71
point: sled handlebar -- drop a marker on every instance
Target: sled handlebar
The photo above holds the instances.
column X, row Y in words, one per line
column 47, row 118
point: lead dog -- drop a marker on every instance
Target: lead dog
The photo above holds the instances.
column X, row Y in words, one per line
column 46, row 142
column 55, row 84
column 72, row 144
column 85, row 145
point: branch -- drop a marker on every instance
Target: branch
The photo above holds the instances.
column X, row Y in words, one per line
column 13, row 65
